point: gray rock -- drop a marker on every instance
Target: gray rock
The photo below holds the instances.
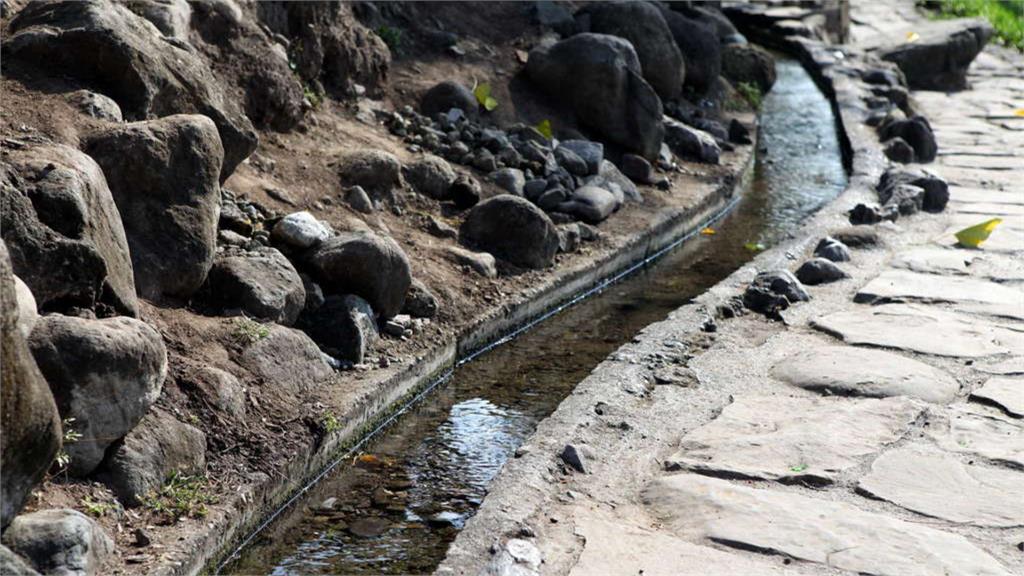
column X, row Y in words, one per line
column 864, row 214
column 484, row 161
column 154, row 450
column 831, row 249
column 819, row 271
column 147, row 75
column 171, row 17
column 969, row 294
column 924, row 329
column 482, row 263
column 103, row 373
column 369, row 526
column 857, row 237
column 231, row 238
column 591, row 152
column 1006, row 393
column 552, row 199
column 64, row 231
column 420, row 302
column 600, row 77
column 637, row 169
column 792, row 439
column 936, row 484
column 850, row 371
column 691, row 143
column 345, row 325
column 513, row 229
column 916, row 132
column 431, row 176
column 221, row 390
column 533, row 189
column 701, row 50
column 897, row 150
column 939, row 58
column 27, row 311
column 263, row 283
column 286, row 361
column 750, row 64
column 439, row 228
column 838, row 535
column 611, row 179
column 643, row 26
column 359, row 200
column 590, row 204
column 30, row 430
column 465, row 192
column 568, row 238
column 447, row 95
column 571, row 161
column 368, row 265
column 553, row 15
column 575, row 458
column 161, row 167
column 936, row 190
column 314, row 293
column 378, row 172
column 510, row 180
column 96, row 105
column 12, row 565
column 773, row 291
column 60, row 541
column 300, row 230
column 517, row 557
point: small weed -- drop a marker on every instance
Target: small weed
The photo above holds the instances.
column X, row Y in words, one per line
column 315, row 98
column 68, row 436
column 751, row 93
column 1006, row 16
column 331, row 423
column 96, row 509
column 391, row 36
column 181, row 496
column 250, row 331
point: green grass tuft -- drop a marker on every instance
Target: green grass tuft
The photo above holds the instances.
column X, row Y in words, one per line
column 180, row 496
column 751, row 93
column 1006, row 16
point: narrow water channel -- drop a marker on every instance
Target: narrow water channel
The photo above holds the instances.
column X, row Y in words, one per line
column 399, row 505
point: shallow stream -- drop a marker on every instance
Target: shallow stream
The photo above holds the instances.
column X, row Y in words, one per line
column 401, row 503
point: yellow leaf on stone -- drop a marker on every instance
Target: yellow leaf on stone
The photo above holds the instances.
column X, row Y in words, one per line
column 708, row 231
column 545, row 128
column 973, row 236
column 913, row 36
column 1018, row 112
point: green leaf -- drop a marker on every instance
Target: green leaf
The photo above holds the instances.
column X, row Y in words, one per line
column 545, row 128
column 483, row 96
column 754, row 246
column 798, row 468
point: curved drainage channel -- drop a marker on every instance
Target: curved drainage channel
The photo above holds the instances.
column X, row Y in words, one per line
column 396, row 508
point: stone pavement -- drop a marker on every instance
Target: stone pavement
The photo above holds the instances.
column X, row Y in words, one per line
column 879, row 432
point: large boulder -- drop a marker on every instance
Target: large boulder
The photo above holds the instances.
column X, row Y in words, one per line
column 121, row 55
column 938, row 59
column 13, row 565
column 163, row 176
column 329, row 45
column 28, row 311
column 103, row 373
column 263, row 283
column 368, row 265
column 447, row 95
column 701, row 51
column 378, row 172
column 642, row 24
column 30, row 431
column 157, row 448
column 344, row 325
column 285, row 360
column 513, row 229
column 64, row 232
column 750, row 64
column 431, row 176
column 600, row 78
column 60, row 541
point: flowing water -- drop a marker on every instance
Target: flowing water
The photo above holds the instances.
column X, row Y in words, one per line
column 399, row 505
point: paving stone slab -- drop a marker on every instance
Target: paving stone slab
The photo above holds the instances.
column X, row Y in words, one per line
column 809, row 440
column 1004, row 239
column 973, row 294
column 850, row 371
column 961, row 262
column 1006, row 393
column 836, row 534
column 980, row 162
column 936, row 484
column 961, row 176
column 1013, row 366
column 920, row 328
column 1009, row 212
column 979, row 430
column 612, row 547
